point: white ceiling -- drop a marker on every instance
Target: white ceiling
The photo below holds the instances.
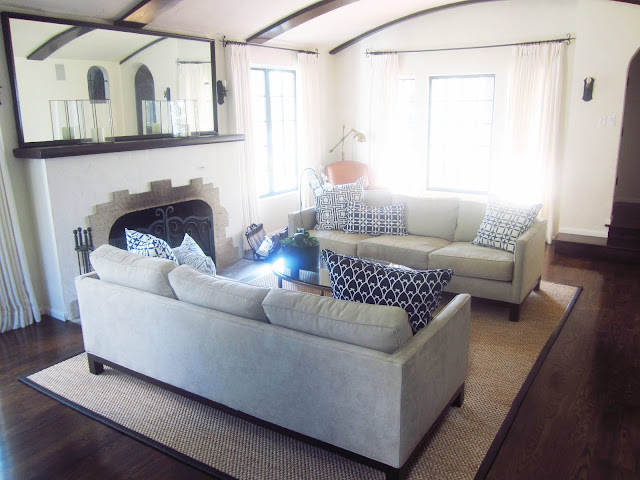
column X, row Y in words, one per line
column 238, row 19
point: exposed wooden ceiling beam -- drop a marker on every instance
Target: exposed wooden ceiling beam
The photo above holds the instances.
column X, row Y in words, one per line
column 295, row 19
column 57, row 42
column 373, row 31
column 145, row 12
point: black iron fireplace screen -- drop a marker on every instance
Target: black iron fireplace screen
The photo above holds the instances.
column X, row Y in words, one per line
column 170, row 223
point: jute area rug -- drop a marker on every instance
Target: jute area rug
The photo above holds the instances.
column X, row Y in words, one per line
column 503, row 360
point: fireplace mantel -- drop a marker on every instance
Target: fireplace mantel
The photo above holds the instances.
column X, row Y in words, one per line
column 121, row 146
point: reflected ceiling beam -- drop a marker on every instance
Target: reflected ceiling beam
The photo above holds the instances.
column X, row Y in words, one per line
column 373, row 31
column 141, row 49
column 297, row 18
column 56, row 43
column 145, row 12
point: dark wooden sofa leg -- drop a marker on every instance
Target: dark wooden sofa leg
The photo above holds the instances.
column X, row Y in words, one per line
column 95, row 367
column 514, row 312
column 459, row 400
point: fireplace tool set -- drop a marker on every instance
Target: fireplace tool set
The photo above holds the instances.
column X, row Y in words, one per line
column 84, row 245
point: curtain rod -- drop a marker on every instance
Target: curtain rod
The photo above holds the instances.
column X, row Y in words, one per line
column 567, row 39
column 226, row 42
column 190, row 62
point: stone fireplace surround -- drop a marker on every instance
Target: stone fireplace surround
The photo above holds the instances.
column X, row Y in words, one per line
column 162, row 193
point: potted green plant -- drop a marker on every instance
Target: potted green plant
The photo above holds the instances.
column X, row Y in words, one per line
column 301, row 251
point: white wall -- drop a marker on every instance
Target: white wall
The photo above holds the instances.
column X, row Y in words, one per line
column 608, row 34
column 75, row 185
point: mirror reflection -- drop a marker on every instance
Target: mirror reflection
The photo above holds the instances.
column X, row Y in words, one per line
column 89, row 84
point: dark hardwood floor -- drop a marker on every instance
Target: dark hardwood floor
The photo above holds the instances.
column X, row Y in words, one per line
column 580, row 419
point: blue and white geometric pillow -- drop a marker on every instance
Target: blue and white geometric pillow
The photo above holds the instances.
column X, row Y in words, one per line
column 203, row 263
column 189, row 245
column 190, row 253
column 148, row 245
column 418, row 292
column 387, row 220
column 504, row 223
column 331, row 202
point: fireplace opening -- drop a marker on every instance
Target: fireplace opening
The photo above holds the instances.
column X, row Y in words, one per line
column 170, row 223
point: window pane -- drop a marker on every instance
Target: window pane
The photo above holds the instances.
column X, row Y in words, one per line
column 460, row 127
column 274, row 107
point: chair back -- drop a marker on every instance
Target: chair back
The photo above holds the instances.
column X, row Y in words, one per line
column 347, row 171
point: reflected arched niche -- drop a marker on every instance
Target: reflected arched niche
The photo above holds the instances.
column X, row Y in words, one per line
column 144, row 91
column 98, row 84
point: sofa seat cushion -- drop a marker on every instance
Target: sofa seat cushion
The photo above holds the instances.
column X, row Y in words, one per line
column 222, row 294
column 411, row 250
column 468, row 260
column 382, row 328
column 121, row 267
column 339, row 242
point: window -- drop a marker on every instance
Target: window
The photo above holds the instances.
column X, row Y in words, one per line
column 274, row 116
column 460, row 126
column 98, row 84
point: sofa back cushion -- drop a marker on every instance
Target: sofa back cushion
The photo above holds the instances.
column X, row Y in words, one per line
column 217, row 293
column 381, row 328
column 377, row 198
column 429, row 216
column 470, row 215
column 149, row 274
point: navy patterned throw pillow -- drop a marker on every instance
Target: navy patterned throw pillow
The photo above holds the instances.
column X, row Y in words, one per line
column 503, row 223
column 331, row 203
column 418, row 292
column 376, row 221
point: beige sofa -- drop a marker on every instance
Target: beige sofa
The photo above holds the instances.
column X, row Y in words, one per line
column 441, row 228
column 344, row 374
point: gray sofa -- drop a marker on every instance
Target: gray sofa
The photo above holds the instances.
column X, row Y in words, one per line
column 441, row 228
column 345, row 374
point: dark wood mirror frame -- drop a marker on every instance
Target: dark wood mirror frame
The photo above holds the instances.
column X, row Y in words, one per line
column 56, row 148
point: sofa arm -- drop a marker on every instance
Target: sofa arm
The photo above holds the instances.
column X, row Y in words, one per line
column 528, row 261
column 434, row 366
column 308, row 217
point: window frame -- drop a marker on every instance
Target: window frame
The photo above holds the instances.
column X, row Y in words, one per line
column 267, row 90
column 429, row 105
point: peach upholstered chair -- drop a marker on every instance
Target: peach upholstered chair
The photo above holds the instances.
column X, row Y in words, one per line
column 347, row 171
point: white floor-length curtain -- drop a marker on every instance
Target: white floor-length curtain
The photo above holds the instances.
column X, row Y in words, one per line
column 194, row 83
column 18, row 306
column 383, row 103
column 241, row 120
column 528, row 171
column 309, row 124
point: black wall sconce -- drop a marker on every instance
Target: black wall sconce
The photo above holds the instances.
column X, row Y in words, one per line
column 221, row 91
column 587, row 94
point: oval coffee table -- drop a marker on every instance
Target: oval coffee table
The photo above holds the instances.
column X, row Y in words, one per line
column 318, row 278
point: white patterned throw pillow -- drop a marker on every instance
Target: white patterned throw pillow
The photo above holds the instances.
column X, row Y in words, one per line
column 148, row 245
column 331, row 202
column 418, row 292
column 190, row 253
column 503, row 223
column 376, row 221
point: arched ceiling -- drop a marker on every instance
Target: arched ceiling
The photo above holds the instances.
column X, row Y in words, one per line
column 332, row 27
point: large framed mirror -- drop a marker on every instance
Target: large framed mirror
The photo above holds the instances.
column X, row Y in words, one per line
column 77, row 82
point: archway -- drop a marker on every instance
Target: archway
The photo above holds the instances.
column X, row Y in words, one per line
column 624, row 230
column 145, row 90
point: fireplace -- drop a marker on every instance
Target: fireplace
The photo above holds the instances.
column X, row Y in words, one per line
column 170, row 223
column 168, row 212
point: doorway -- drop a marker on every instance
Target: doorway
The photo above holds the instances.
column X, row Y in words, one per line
column 624, row 230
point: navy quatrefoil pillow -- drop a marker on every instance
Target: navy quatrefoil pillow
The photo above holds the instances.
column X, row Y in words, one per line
column 418, row 292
